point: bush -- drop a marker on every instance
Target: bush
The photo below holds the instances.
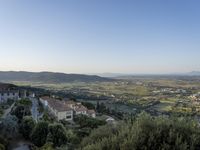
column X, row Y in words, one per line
column 24, row 102
column 9, row 126
column 27, row 126
column 21, row 111
column 85, row 121
column 39, row 133
column 146, row 133
column 57, row 134
column 88, row 105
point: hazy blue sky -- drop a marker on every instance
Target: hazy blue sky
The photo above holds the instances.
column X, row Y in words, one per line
column 93, row 36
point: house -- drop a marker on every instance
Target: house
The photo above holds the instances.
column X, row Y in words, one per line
column 80, row 109
column 8, row 94
column 58, row 108
column 70, row 103
column 66, row 109
column 91, row 113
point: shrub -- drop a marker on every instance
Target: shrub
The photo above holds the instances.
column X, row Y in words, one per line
column 27, row 126
column 144, row 133
column 39, row 133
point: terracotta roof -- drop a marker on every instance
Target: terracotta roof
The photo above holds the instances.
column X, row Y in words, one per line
column 68, row 102
column 56, row 104
column 80, row 108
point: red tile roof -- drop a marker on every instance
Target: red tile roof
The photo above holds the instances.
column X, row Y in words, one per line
column 56, row 104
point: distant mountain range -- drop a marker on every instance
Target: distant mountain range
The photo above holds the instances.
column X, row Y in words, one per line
column 54, row 77
column 194, row 73
column 118, row 75
column 49, row 77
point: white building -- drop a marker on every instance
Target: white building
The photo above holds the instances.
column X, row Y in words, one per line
column 58, row 108
column 66, row 109
column 5, row 95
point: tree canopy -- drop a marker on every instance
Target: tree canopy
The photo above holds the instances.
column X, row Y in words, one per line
column 146, row 133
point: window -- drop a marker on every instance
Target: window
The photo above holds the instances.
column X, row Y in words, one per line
column 69, row 117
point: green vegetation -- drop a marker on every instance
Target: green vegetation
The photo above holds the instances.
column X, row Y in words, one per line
column 150, row 92
column 22, row 108
column 39, row 134
column 24, row 102
column 57, row 135
column 88, row 105
column 5, row 105
column 9, row 126
column 27, row 126
column 121, row 100
column 88, row 122
column 146, row 132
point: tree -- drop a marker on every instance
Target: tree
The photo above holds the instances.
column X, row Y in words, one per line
column 9, row 126
column 85, row 121
column 88, row 105
column 57, row 134
column 27, row 126
column 21, row 111
column 146, row 132
column 39, row 133
column 22, row 108
column 101, row 108
column 24, row 102
column 97, row 107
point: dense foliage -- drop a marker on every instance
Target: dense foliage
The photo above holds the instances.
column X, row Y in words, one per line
column 57, row 134
column 88, row 105
column 27, row 126
column 9, row 126
column 85, row 121
column 44, row 133
column 39, row 134
column 22, row 108
column 24, row 102
column 146, row 133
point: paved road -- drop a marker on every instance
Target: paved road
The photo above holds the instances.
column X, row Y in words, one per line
column 34, row 109
column 19, row 144
column 7, row 111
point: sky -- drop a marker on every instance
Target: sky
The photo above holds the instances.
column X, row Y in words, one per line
column 97, row 36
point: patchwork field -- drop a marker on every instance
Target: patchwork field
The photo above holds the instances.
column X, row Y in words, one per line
column 157, row 93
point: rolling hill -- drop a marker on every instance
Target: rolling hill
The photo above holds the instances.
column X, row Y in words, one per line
column 49, row 77
column 5, row 86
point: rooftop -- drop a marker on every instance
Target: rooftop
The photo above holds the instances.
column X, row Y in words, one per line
column 57, row 104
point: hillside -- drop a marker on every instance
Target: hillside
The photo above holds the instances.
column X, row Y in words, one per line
column 49, row 77
column 5, row 86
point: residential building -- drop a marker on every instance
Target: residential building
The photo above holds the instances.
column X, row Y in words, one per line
column 58, row 108
column 66, row 109
column 91, row 113
column 80, row 109
column 8, row 94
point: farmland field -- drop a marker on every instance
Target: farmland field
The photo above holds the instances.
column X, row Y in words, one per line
column 125, row 94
